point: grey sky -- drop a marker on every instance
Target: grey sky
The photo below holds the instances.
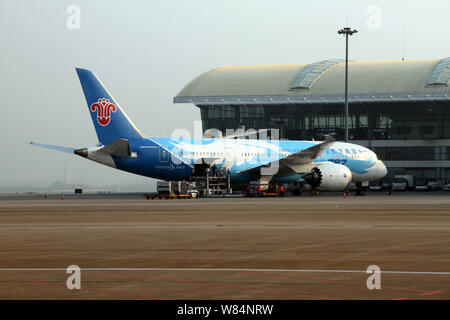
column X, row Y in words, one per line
column 146, row 51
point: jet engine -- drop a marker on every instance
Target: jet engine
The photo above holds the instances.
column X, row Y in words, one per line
column 329, row 177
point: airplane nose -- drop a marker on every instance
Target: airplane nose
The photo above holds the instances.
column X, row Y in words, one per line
column 382, row 169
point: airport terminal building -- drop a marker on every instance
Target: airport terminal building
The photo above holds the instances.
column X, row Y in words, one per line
column 399, row 109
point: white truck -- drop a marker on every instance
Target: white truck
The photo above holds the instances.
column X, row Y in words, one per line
column 403, row 182
column 172, row 187
column 173, row 190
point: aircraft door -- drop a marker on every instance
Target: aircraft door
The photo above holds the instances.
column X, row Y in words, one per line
column 229, row 155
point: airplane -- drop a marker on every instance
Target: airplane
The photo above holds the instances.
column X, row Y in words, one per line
column 326, row 165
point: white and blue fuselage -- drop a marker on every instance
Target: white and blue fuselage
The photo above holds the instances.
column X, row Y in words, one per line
column 330, row 165
column 174, row 159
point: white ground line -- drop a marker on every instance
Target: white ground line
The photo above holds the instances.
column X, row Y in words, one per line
column 225, row 269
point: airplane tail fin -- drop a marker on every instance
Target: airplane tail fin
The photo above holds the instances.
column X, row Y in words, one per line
column 110, row 121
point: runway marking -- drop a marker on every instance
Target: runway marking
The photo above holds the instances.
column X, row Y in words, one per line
column 98, row 227
column 227, row 286
column 229, row 269
column 51, row 283
column 97, row 290
column 420, row 277
column 347, row 282
column 432, row 293
column 240, row 226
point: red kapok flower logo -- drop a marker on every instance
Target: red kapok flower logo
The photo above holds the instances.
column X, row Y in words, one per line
column 104, row 108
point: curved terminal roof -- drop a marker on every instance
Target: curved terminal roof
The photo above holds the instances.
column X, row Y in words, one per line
column 319, row 82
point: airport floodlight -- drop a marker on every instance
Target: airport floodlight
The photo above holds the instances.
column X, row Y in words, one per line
column 346, row 31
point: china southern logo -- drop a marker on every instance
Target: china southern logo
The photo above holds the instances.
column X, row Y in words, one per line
column 104, row 108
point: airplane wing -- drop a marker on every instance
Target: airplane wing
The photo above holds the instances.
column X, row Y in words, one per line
column 308, row 155
column 305, row 156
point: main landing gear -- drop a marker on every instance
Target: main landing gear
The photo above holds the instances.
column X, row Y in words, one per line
column 359, row 189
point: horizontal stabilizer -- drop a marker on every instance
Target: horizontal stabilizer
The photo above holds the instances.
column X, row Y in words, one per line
column 57, row 148
column 119, row 148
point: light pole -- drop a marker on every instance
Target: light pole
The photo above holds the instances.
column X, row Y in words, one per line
column 347, row 31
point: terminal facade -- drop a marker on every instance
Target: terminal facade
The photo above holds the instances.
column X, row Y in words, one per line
column 399, row 109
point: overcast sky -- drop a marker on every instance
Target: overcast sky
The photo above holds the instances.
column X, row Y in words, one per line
column 145, row 52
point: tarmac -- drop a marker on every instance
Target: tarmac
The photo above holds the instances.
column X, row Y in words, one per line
column 308, row 247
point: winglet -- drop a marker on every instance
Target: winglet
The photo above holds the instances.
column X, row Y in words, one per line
column 329, row 138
